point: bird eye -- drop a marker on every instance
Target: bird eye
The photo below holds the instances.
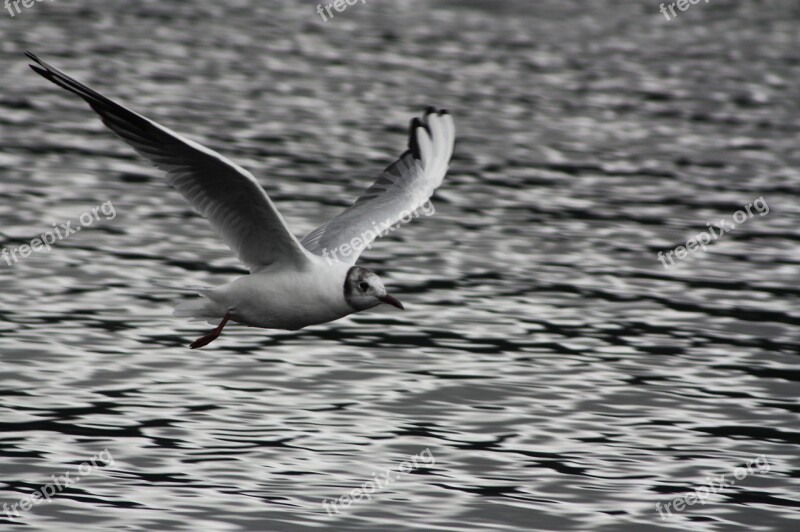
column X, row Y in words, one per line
column 363, row 286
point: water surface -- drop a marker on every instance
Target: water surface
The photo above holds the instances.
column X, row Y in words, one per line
column 560, row 376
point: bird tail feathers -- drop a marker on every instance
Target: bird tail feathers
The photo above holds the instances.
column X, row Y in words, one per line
column 198, row 309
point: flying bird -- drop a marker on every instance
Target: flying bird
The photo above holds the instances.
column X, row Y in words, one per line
column 292, row 283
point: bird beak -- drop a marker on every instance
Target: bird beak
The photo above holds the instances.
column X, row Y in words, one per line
column 392, row 301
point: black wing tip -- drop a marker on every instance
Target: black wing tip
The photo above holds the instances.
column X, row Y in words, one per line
column 431, row 110
column 38, row 60
column 413, row 145
column 416, row 122
column 39, row 68
column 423, row 122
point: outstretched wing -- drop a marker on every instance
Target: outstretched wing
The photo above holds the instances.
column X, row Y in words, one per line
column 399, row 191
column 227, row 195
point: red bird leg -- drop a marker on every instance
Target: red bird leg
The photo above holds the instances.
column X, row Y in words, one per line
column 213, row 335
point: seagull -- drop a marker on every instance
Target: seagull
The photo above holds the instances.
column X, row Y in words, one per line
column 292, row 283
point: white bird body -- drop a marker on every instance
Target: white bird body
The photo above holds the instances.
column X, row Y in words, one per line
column 292, row 283
column 276, row 298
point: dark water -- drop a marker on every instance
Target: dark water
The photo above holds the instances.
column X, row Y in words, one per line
column 560, row 376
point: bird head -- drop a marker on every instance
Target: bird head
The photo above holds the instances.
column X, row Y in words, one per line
column 363, row 289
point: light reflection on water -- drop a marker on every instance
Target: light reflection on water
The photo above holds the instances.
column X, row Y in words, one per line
column 562, row 378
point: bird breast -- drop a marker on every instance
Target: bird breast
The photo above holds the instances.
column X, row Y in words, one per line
column 287, row 299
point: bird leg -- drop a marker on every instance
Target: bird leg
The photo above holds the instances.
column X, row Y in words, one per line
column 213, row 335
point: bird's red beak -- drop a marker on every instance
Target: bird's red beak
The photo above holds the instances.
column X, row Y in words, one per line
column 392, row 301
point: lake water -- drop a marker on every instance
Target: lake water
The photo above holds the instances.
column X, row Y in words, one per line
column 557, row 374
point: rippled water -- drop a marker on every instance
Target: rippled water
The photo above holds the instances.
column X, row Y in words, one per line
column 560, row 376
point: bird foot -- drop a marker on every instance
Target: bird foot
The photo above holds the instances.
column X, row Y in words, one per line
column 213, row 335
column 204, row 340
